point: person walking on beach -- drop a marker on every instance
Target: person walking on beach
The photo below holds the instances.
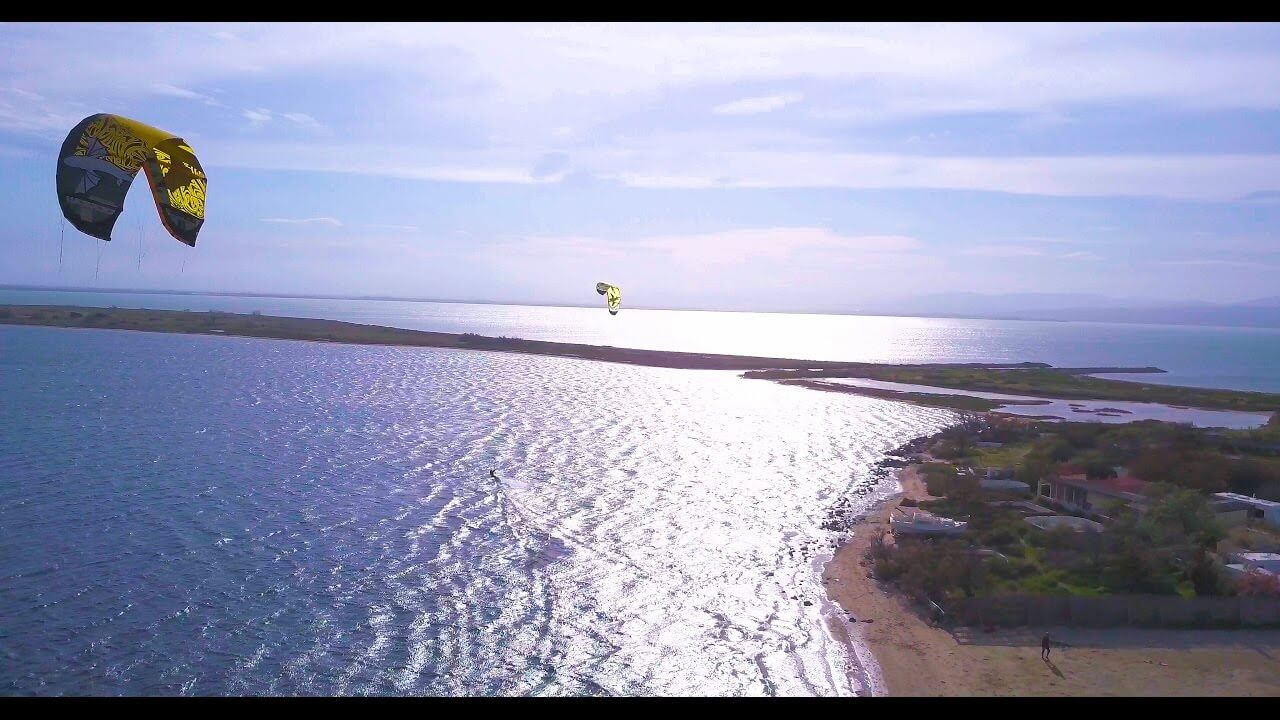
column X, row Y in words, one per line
column 1044, row 647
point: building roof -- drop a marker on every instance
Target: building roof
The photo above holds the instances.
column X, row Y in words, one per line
column 996, row 484
column 1126, row 486
column 1223, row 505
column 1075, row 524
column 1242, row 569
column 1024, row 506
column 1251, row 501
column 1267, row 562
column 1258, row 556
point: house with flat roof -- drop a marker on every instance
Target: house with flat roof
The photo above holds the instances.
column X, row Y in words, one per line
column 1067, row 522
column 1012, row 486
column 1267, row 511
column 1025, row 508
column 1078, row 492
column 1230, row 512
column 1244, row 562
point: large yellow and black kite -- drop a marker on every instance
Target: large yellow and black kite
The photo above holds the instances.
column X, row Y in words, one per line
column 97, row 164
column 611, row 294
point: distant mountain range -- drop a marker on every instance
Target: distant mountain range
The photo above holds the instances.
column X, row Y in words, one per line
column 1262, row 312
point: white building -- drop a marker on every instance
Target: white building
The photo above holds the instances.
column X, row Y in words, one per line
column 1241, row 563
column 1267, row 511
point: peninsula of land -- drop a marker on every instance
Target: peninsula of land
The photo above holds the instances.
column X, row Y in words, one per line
column 1025, row 378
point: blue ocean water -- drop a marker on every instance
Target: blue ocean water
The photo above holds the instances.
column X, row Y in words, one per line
column 214, row 515
column 1236, row 358
column 1102, row 411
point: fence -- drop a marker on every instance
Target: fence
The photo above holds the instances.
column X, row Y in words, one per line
column 1115, row 610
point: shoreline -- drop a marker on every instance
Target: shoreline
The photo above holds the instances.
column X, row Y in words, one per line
column 225, row 324
column 1003, row 407
column 912, row 657
column 876, row 621
column 1037, row 380
column 1040, row 379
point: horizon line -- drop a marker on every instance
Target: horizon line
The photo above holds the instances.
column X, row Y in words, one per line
column 447, row 301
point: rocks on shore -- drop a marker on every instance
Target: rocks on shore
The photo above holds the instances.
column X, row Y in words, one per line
column 844, row 515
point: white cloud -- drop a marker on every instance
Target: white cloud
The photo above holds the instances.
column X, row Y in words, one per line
column 261, row 116
column 757, row 105
column 495, row 166
column 257, row 117
column 305, row 221
column 915, row 68
column 697, row 163
column 1024, row 251
column 1264, row 244
column 1262, row 197
column 736, row 246
column 1048, row 240
column 817, row 264
column 727, row 247
column 1209, row 262
column 518, row 86
column 1005, row 251
column 14, row 152
column 303, row 120
column 1186, row 177
column 180, row 92
column 27, row 112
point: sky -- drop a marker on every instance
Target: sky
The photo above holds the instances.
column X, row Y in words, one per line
column 800, row 167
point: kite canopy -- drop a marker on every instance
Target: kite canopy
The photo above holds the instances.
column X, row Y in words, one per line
column 97, row 164
column 612, row 294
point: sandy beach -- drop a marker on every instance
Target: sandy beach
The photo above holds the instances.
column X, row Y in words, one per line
column 917, row 659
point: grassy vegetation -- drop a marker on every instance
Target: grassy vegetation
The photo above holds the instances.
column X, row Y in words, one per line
column 1265, row 439
column 952, row 402
column 1164, row 553
column 1169, row 549
column 1060, row 384
column 1008, row 456
column 1183, row 456
column 1044, row 382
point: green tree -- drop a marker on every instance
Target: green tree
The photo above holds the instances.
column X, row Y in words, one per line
column 1095, row 464
column 1153, row 465
column 1181, row 519
column 1246, row 475
column 1208, row 576
column 1035, row 466
column 1133, row 565
column 1270, row 490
